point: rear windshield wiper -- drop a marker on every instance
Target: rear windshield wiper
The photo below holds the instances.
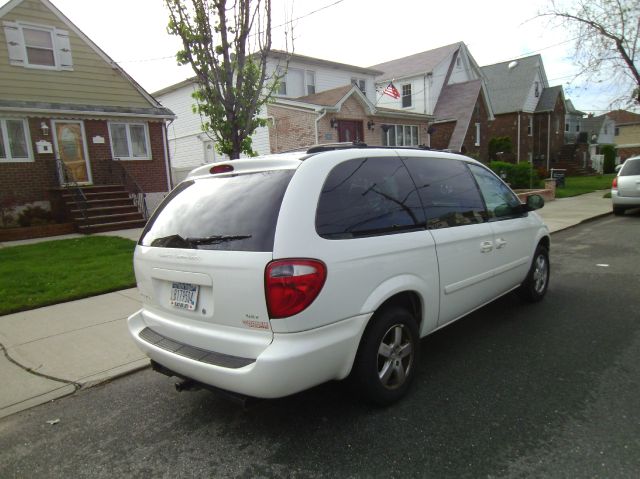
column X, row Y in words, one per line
column 215, row 239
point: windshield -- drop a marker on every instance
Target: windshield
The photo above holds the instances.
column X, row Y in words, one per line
column 236, row 212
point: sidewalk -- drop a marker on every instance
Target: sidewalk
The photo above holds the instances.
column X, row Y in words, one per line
column 51, row 352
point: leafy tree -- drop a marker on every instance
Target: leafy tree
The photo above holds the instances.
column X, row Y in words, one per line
column 607, row 34
column 227, row 47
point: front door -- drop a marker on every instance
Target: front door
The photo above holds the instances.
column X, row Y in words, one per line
column 350, row 130
column 71, row 149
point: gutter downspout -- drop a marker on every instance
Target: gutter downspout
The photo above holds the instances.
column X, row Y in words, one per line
column 518, row 155
column 548, row 139
column 167, row 160
column 316, row 125
column 275, row 134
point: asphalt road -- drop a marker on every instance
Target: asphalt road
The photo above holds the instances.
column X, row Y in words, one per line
column 513, row 390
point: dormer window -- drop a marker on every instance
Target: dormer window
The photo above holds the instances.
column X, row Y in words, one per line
column 38, row 46
column 537, row 89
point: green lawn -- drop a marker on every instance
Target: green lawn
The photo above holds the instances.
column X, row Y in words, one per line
column 56, row 271
column 579, row 185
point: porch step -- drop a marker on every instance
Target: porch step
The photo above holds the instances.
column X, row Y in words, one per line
column 114, row 226
column 108, row 208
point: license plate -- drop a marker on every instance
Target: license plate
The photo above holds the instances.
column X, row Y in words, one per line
column 184, row 295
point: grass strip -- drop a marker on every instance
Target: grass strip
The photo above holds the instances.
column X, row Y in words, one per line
column 579, row 185
column 53, row 272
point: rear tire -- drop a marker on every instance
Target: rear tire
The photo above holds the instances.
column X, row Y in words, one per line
column 537, row 282
column 387, row 357
column 618, row 210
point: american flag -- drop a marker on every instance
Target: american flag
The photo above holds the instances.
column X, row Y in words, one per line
column 391, row 91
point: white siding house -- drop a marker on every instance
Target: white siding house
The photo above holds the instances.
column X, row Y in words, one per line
column 189, row 145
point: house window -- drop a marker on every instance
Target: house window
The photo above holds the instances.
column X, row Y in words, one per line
column 406, row 95
column 477, row 134
column 14, row 140
column 129, row 141
column 578, row 128
column 311, row 82
column 360, row 83
column 616, row 132
column 530, row 126
column 458, row 61
column 400, row 135
column 38, row 46
column 566, row 127
column 537, row 89
column 606, row 129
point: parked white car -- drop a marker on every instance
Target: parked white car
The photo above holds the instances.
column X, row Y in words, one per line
column 625, row 190
column 268, row 276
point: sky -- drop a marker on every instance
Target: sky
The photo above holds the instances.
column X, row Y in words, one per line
column 356, row 32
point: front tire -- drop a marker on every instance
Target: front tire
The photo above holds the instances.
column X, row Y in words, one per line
column 387, row 357
column 537, row 282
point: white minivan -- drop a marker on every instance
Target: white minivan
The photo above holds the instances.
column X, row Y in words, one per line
column 267, row 276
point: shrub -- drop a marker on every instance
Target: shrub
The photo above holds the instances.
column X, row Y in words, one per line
column 609, row 152
column 34, row 215
column 518, row 175
column 499, row 144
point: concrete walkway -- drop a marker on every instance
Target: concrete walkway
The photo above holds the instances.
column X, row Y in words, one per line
column 50, row 352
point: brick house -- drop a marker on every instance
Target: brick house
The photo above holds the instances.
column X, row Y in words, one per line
column 526, row 109
column 342, row 114
column 626, row 133
column 448, row 84
column 77, row 134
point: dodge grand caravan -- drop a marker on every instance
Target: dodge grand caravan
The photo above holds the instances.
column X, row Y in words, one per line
column 267, row 276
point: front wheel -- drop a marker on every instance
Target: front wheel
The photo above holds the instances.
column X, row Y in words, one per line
column 535, row 285
column 387, row 357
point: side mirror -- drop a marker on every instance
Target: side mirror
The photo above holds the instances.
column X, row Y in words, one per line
column 534, row 202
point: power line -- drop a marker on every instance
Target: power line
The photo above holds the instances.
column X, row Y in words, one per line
column 144, row 60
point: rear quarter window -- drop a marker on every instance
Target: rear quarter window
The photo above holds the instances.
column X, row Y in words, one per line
column 235, row 212
column 368, row 197
column 630, row 168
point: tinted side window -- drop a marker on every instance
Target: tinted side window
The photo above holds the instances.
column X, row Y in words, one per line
column 500, row 200
column 366, row 197
column 448, row 192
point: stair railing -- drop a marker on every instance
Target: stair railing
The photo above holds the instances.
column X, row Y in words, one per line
column 68, row 181
column 120, row 175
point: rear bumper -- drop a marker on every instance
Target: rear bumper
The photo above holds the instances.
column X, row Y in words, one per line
column 291, row 363
column 629, row 201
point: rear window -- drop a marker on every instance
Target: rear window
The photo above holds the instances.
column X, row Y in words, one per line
column 630, row 168
column 236, row 213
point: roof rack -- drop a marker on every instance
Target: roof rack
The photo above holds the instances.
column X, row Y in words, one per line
column 356, row 144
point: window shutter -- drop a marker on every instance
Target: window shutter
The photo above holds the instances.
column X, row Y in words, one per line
column 14, row 43
column 63, row 46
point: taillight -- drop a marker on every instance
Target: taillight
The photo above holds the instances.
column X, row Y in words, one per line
column 221, row 169
column 614, row 185
column 291, row 285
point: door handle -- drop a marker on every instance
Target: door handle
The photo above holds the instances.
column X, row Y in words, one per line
column 486, row 246
column 500, row 242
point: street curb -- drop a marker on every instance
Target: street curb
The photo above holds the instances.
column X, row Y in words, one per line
column 587, row 220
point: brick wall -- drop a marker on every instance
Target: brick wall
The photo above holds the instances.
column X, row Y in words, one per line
column 290, row 129
column 480, row 152
column 22, row 183
column 627, row 152
column 507, row 125
column 441, row 136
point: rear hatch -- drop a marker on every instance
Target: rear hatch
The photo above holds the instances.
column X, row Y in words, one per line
column 201, row 259
column 629, row 179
